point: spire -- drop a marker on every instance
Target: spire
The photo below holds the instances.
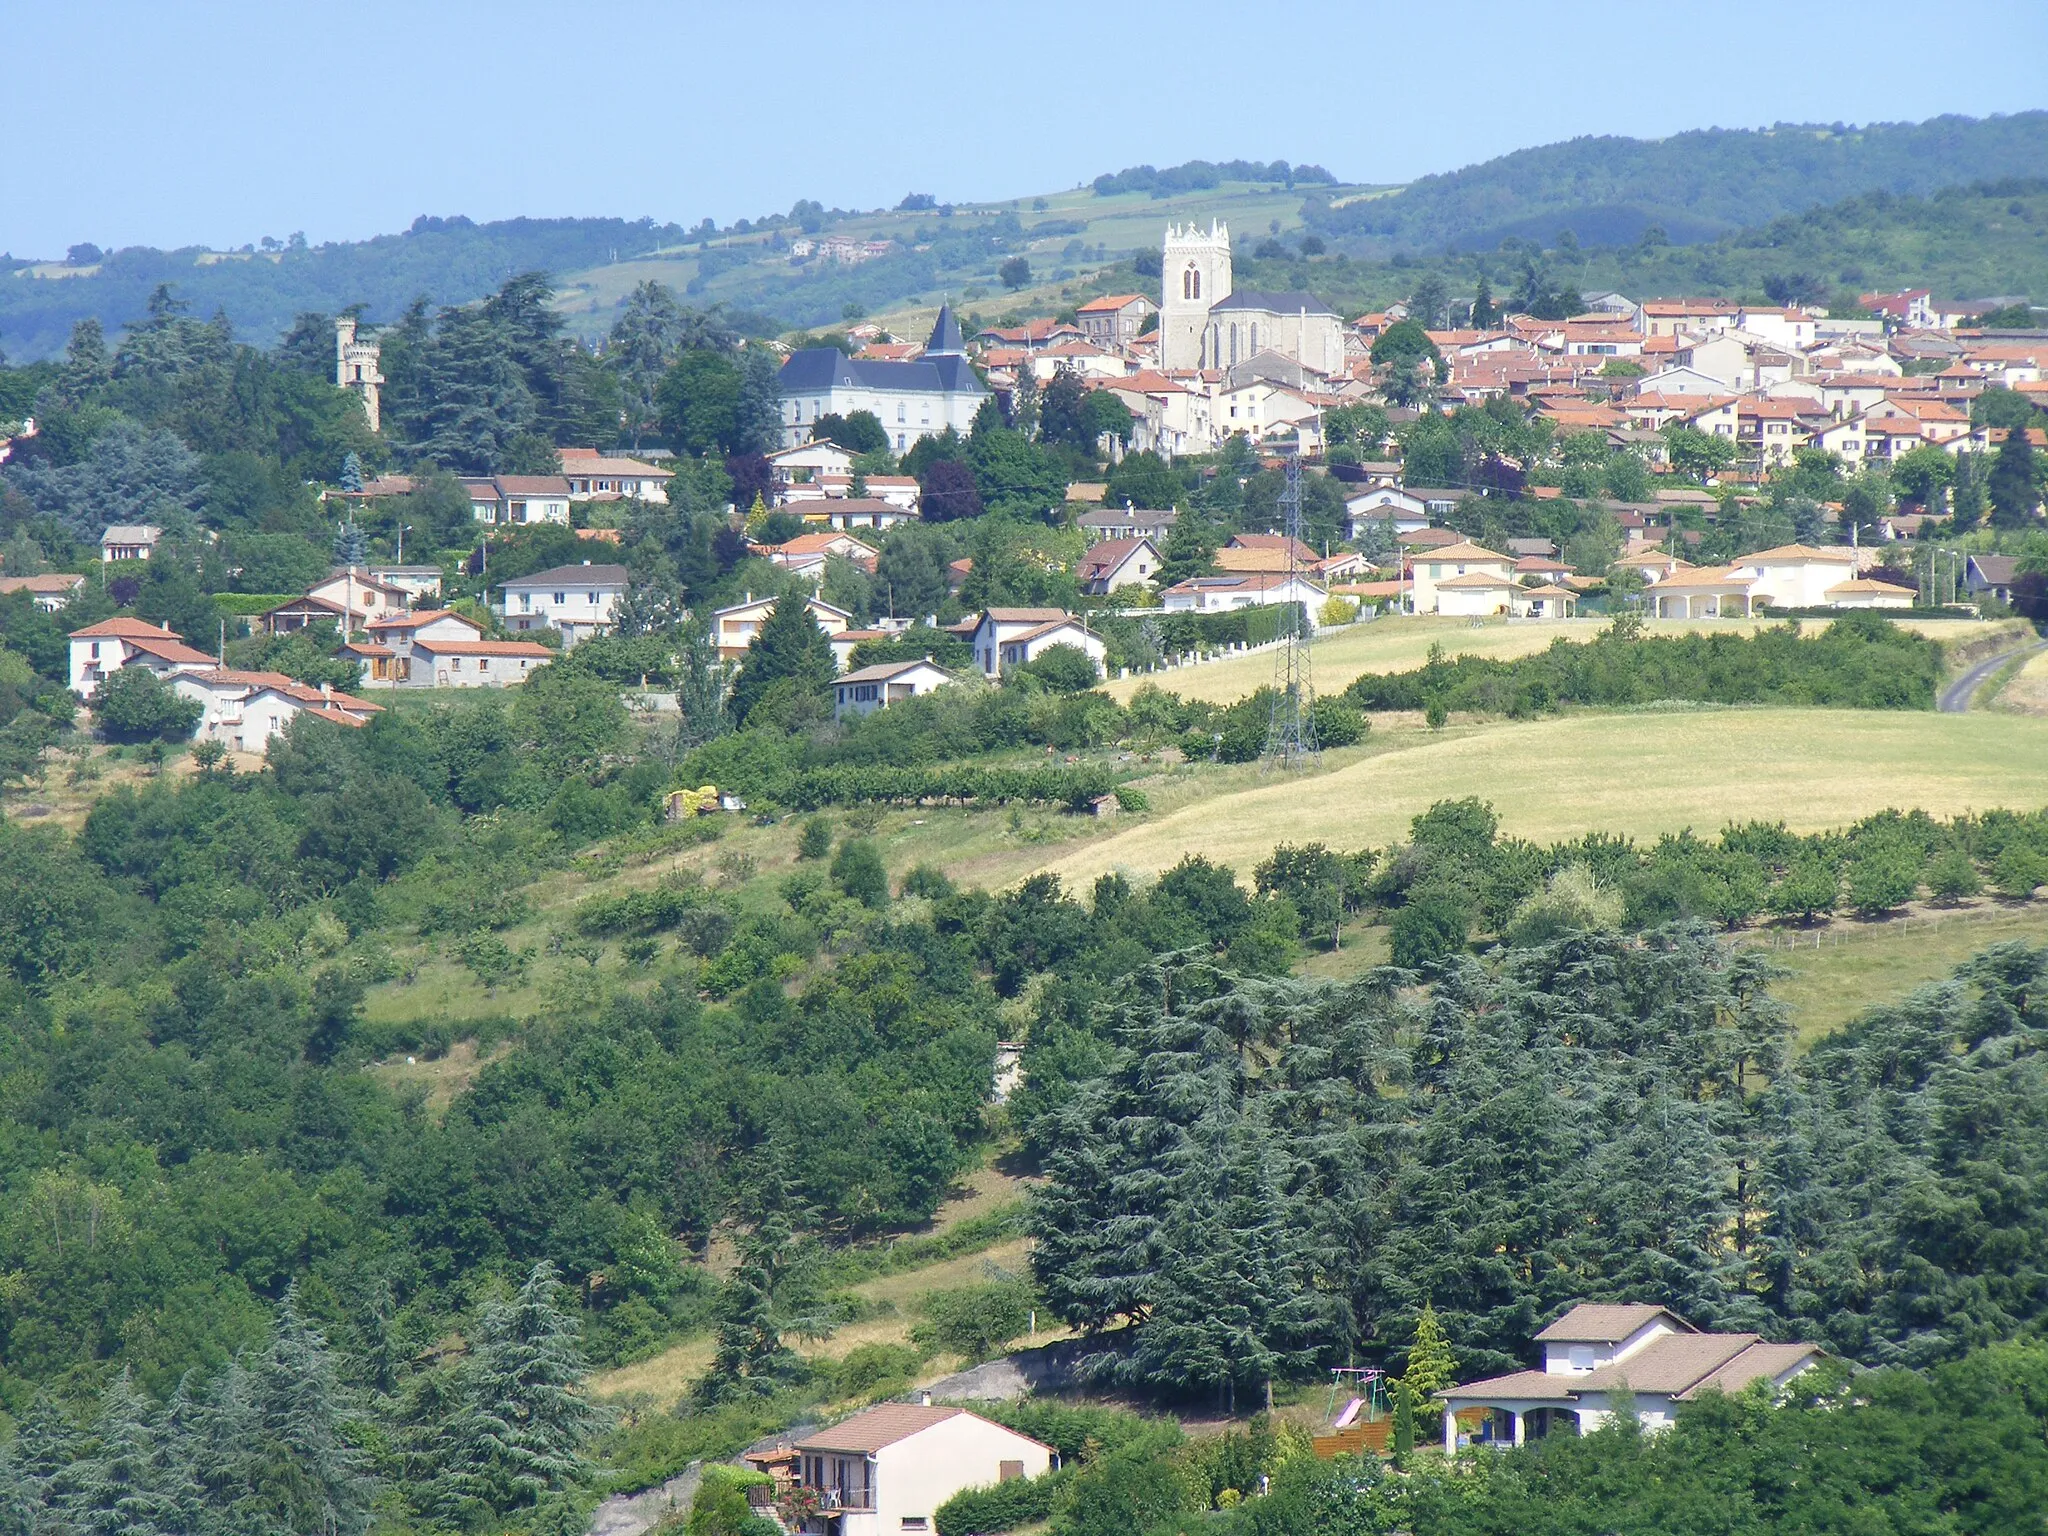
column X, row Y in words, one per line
column 945, row 338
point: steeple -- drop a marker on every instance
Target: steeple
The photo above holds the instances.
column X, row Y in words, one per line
column 946, row 340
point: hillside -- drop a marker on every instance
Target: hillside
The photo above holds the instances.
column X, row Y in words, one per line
column 1694, row 186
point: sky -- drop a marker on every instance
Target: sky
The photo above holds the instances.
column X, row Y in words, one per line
column 218, row 122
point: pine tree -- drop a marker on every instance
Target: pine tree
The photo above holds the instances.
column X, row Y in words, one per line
column 524, row 1423
column 2010, row 486
column 135, row 1483
column 281, row 1443
column 351, row 472
column 790, row 646
column 1431, row 1367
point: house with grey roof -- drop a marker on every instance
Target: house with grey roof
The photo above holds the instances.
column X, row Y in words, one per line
column 912, row 399
column 1594, row 1354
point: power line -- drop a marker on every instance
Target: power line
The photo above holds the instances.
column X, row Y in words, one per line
column 1291, row 733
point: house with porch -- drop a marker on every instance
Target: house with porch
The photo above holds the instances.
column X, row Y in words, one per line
column 387, row 653
column 1595, row 1352
column 734, row 627
column 1371, row 509
column 49, row 592
column 513, row 500
column 886, row 1471
column 1433, row 569
column 595, row 476
column 129, row 541
column 1243, row 589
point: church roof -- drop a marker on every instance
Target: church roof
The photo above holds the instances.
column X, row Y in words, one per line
column 813, row 370
column 1289, row 303
column 945, row 335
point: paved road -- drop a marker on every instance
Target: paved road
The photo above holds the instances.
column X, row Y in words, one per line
column 1955, row 698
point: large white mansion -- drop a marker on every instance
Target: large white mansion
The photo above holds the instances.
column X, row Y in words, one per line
column 1203, row 323
column 912, row 400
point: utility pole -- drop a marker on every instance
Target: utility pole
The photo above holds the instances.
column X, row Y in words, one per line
column 1291, row 734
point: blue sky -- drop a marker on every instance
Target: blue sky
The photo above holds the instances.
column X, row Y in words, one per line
column 221, row 121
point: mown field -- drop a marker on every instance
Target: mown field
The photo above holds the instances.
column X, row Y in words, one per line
column 1639, row 774
column 1400, row 644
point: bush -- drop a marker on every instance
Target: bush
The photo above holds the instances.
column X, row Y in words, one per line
column 815, row 840
column 1882, row 879
column 928, row 881
column 875, row 1370
column 136, row 705
column 1004, row 1507
column 2019, row 872
column 858, row 869
column 1063, row 669
column 1435, row 923
column 1573, row 902
column 975, row 1321
column 1338, row 724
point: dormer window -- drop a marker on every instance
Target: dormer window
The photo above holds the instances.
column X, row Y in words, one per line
column 1581, row 1357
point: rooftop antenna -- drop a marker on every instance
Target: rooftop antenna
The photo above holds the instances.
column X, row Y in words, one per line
column 1291, row 735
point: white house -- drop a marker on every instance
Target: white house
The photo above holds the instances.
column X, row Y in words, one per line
column 1371, row 509
column 1127, row 522
column 49, row 592
column 100, row 650
column 886, row 1471
column 437, row 663
column 1594, row 1352
column 872, row 688
column 244, row 710
column 912, row 400
column 129, row 541
column 848, row 512
column 579, row 600
column 1007, row 637
column 1241, row 589
column 1432, row 568
column 1116, row 563
column 735, row 627
column 1861, row 593
column 511, row 500
column 1798, row 575
column 594, row 476
column 415, row 581
column 806, row 554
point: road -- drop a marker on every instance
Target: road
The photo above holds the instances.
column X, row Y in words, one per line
column 1955, row 698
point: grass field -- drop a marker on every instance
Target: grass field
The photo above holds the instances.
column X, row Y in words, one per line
column 2026, row 692
column 1853, row 967
column 1402, row 644
column 1637, row 773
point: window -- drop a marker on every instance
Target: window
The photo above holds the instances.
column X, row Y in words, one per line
column 902, row 411
column 1191, row 282
column 590, row 598
column 1009, row 1471
column 559, row 599
column 920, row 1522
column 1581, row 1356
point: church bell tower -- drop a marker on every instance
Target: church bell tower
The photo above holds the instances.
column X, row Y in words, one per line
column 1194, row 274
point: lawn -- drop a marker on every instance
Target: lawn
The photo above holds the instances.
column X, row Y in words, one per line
column 1640, row 773
column 1852, row 967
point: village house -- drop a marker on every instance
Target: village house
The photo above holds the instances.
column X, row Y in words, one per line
column 49, row 592
column 129, row 541
column 864, row 691
column 1114, row 563
column 438, row 663
column 1242, row 589
column 1594, row 1354
column 886, row 1471
column 347, row 598
column 244, row 711
column 1115, row 319
column 806, row 554
column 735, row 627
column 417, row 582
column 578, row 600
column 846, row 513
column 1371, row 509
column 100, row 650
column 1991, row 577
column 1127, row 522
column 594, row 476
column 804, row 463
column 513, row 500
column 1454, row 566
column 1003, row 638
column 387, row 653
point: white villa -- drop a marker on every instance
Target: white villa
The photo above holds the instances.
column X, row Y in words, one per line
column 516, row 499
column 245, row 710
column 735, row 627
column 1241, row 589
column 1465, row 579
column 1790, row 576
column 437, row 663
column 579, row 600
column 885, row 1472
column 912, row 400
column 1012, row 637
column 595, row 476
column 891, row 682
column 1595, row 1351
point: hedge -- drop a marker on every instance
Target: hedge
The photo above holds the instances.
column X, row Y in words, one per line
column 817, row 788
column 1004, row 1507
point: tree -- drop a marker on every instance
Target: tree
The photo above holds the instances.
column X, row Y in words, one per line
column 948, row 492
column 1062, row 669
column 860, row 432
column 1696, row 454
column 285, row 1437
column 2011, row 488
column 1431, row 1366
column 1144, row 480
column 1015, row 476
column 858, row 869
column 1404, row 341
column 1015, row 273
column 131, row 474
column 699, row 398
column 524, row 1421
column 134, row 704
column 1484, row 315
column 1921, row 474
column 138, row 1481
column 814, row 840
column 789, row 647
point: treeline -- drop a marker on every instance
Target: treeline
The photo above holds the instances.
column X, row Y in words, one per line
column 1201, row 175
column 1248, row 1179
column 1859, row 661
column 294, row 1435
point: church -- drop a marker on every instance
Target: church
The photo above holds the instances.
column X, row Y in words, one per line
column 1204, row 323
column 912, row 400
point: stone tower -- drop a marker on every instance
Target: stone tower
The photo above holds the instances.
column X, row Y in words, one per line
column 1194, row 274
column 355, row 367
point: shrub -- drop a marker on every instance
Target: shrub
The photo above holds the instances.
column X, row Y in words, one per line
column 1435, row 923
column 2019, row 872
column 1810, row 888
column 858, row 869
column 1063, row 669
column 875, row 1369
column 1338, row 724
column 1004, row 1507
column 136, row 705
column 928, row 881
column 977, row 1320
column 815, row 840
column 1573, row 902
